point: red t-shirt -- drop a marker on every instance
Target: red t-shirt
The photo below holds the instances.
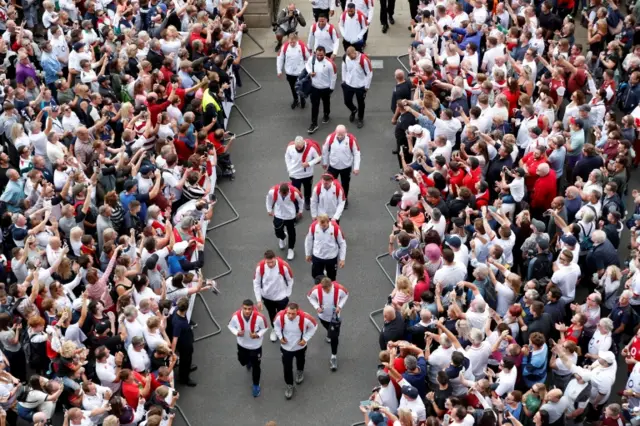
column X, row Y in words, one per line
column 531, row 165
column 131, row 391
column 634, row 351
column 577, row 81
column 456, row 180
column 572, row 334
column 398, row 364
column 421, row 287
column 544, row 191
column 472, row 178
column 512, row 97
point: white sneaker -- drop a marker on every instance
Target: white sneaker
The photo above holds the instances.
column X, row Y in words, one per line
column 273, row 336
column 290, row 254
column 282, row 244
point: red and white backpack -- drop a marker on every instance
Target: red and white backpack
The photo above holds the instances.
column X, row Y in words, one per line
column 352, row 141
column 292, row 194
column 336, row 292
column 336, row 229
column 362, row 20
column 301, row 317
column 281, row 267
column 303, row 49
column 339, row 190
column 331, row 30
column 310, row 143
column 252, row 322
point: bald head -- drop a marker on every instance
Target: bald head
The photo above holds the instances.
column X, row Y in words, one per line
column 389, row 314
column 399, row 75
column 543, row 169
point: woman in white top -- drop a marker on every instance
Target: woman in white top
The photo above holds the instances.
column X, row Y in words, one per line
column 141, row 289
column 55, row 149
column 506, row 291
column 571, row 110
column 182, row 285
column 18, row 136
column 70, row 120
column 155, row 334
column 601, row 340
column 561, row 372
column 609, row 284
column 88, row 76
column 61, row 292
column 172, row 41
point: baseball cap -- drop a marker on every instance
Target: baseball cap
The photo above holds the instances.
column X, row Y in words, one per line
column 584, row 108
column 147, row 169
column 179, row 248
column 78, row 188
column 410, row 391
column 130, row 183
column 539, row 225
column 607, row 356
column 454, row 242
column 77, row 46
column 377, row 418
column 102, row 79
column 77, row 304
column 543, row 243
column 569, row 240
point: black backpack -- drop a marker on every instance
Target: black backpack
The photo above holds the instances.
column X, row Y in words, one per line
column 23, row 393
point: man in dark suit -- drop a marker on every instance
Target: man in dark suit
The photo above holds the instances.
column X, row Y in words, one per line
column 155, row 55
column 393, row 328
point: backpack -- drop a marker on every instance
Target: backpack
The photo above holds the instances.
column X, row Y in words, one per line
column 585, row 242
column 303, row 48
column 364, row 58
column 360, row 16
column 252, row 322
column 352, row 141
column 23, row 393
column 336, row 229
column 301, row 316
column 310, row 143
column 37, row 352
column 335, row 183
column 490, row 295
column 281, row 265
column 292, row 194
column 314, row 27
column 543, row 267
column 303, row 83
column 336, row 292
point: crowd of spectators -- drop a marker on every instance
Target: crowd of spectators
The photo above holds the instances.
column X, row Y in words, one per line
column 515, row 301
column 112, row 136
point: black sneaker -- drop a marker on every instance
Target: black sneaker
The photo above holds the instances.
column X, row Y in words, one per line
column 312, row 128
column 294, row 104
column 346, row 205
column 359, row 124
column 385, row 28
column 352, row 116
column 325, row 119
column 303, row 103
column 391, row 20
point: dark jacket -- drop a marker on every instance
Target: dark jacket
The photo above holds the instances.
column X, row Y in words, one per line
column 156, row 59
column 392, row 331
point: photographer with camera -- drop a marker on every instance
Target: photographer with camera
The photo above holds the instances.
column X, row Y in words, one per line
column 287, row 23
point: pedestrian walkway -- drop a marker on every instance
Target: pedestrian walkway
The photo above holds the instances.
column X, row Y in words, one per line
column 395, row 42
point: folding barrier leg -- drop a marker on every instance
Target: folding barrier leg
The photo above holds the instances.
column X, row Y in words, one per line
column 235, row 217
column 394, row 216
column 246, row 120
column 402, row 63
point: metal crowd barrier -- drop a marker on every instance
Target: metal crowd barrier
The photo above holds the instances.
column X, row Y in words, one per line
column 391, row 280
column 358, row 424
column 233, row 209
column 402, row 63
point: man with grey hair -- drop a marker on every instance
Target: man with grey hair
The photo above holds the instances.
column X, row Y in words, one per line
column 103, row 223
column 602, row 255
column 478, row 353
column 621, row 315
column 416, row 368
column 440, row 358
column 300, row 157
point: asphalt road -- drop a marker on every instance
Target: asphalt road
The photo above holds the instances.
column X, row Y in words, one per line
column 223, row 396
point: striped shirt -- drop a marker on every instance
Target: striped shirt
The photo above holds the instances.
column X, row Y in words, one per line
column 193, row 192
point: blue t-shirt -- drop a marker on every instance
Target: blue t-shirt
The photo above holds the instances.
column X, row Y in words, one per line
column 418, row 380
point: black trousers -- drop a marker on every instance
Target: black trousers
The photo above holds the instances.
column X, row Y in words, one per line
column 318, row 12
column 359, row 46
column 319, row 266
column 186, row 359
column 402, row 142
column 360, row 93
column 251, row 357
column 279, row 226
column 316, row 96
column 345, row 177
column 387, row 9
column 333, row 334
column 275, row 306
column 291, row 79
column 413, row 8
column 307, row 183
column 287, row 363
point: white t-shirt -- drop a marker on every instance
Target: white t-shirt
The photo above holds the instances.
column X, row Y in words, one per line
column 479, row 357
column 517, row 189
column 448, row 128
column 566, row 278
column 599, row 342
column 506, row 381
column 506, row 297
column 106, row 372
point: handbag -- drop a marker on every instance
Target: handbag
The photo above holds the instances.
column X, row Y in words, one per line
column 334, row 325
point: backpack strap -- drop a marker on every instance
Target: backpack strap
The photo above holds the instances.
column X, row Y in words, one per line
column 364, row 59
column 282, row 265
column 303, row 49
column 240, row 319
column 275, row 189
column 336, row 230
column 281, row 316
column 252, row 322
column 336, row 293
